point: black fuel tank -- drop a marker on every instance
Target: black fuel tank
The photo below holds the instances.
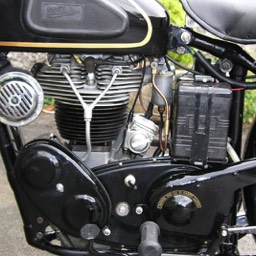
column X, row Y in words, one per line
column 112, row 26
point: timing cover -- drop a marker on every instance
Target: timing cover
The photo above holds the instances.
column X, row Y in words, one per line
column 66, row 192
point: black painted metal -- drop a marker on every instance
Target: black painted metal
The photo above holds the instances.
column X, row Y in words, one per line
column 15, row 31
column 250, row 191
column 7, row 150
column 189, row 204
column 17, row 138
column 250, row 144
column 64, row 190
column 218, row 48
column 160, row 187
column 236, row 117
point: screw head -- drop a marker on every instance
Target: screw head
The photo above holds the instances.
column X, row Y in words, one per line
column 106, row 231
column 181, row 50
column 122, row 209
column 40, row 235
column 185, row 37
column 224, row 233
column 40, row 220
column 139, row 210
column 60, row 187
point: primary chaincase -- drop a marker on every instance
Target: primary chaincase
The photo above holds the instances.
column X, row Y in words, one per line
column 21, row 98
column 110, row 113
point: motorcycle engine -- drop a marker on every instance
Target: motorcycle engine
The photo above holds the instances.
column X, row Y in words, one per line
column 72, row 185
column 109, row 116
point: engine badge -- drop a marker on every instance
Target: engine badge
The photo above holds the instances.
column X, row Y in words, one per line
column 172, row 194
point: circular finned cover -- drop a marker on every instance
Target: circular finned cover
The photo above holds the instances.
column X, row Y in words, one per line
column 21, row 98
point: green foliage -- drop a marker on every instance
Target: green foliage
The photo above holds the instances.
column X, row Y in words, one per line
column 249, row 106
column 176, row 11
column 48, row 101
column 177, row 15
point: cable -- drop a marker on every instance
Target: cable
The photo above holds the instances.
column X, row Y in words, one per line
column 95, row 252
column 100, row 62
column 131, row 113
column 161, row 146
column 242, row 85
column 182, row 66
column 141, row 102
column 106, row 62
column 251, row 77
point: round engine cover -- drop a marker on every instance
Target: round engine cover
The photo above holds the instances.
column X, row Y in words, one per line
column 67, row 193
column 21, row 98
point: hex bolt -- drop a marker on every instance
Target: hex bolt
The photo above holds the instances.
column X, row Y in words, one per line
column 60, row 187
column 39, row 235
column 181, row 50
column 122, row 209
column 185, row 37
column 40, row 220
column 106, row 231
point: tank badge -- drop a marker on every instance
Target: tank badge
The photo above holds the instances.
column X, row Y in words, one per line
column 62, row 12
column 175, row 193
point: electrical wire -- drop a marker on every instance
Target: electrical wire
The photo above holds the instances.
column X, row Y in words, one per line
column 161, row 146
column 131, row 113
column 182, row 66
column 106, row 62
column 251, row 77
column 141, row 102
column 233, row 83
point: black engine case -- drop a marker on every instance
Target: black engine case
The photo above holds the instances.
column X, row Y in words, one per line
column 189, row 204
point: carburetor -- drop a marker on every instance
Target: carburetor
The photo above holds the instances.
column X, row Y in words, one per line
column 140, row 134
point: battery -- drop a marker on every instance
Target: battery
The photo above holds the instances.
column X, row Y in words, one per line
column 200, row 122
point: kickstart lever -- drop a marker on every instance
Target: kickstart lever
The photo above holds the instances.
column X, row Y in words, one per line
column 149, row 245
